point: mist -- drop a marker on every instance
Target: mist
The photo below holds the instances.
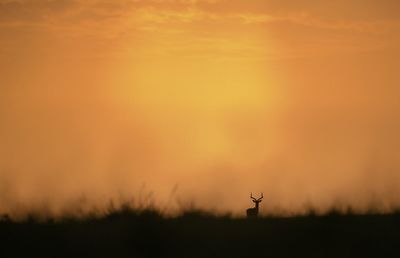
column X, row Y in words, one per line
column 84, row 124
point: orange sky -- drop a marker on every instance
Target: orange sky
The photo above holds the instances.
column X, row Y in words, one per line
column 199, row 101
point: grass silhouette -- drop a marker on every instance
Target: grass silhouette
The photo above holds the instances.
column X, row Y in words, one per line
column 128, row 232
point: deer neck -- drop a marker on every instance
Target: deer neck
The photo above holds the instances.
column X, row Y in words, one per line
column 256, row 205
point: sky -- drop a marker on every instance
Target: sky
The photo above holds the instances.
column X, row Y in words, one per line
column 182, row 103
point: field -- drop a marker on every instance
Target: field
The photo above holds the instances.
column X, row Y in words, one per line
column 130, row 233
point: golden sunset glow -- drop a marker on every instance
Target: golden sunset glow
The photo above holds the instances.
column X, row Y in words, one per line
column 190, row 99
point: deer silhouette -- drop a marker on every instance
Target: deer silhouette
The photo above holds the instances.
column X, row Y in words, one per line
column 253, row 212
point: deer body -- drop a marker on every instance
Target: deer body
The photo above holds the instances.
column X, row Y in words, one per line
column 253, row 212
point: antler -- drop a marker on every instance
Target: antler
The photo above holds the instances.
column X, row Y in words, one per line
column 251, row 196
column 262, row 196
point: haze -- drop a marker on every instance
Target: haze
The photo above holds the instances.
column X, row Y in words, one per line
column 174, row 102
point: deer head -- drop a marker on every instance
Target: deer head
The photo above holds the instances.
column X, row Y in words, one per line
column 256, row 200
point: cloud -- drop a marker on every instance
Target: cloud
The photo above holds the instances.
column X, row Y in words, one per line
column 368, row 16
column 33, row 11
column 338, row 10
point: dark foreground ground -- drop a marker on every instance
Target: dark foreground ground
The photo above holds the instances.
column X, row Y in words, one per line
column 148, row 234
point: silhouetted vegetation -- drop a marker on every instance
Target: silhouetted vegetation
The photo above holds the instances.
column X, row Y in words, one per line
column 147, row 233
